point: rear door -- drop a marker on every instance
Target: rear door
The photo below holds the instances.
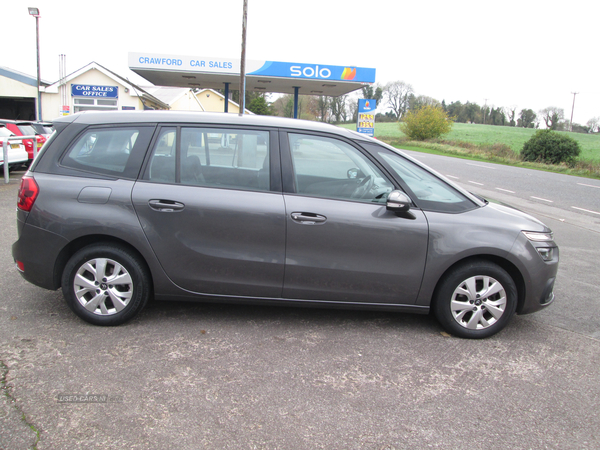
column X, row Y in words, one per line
column 342, row 243
column 211, row 206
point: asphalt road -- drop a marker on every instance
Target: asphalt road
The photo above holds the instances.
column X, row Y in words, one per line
column 572, row 194
column 195, row 376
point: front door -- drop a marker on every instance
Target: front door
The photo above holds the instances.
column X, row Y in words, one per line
column 342, row 243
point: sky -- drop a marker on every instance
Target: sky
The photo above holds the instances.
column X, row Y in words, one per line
column 514, row 53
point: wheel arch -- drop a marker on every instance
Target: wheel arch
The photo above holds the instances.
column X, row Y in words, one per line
column 505, row 264
column 77, row 244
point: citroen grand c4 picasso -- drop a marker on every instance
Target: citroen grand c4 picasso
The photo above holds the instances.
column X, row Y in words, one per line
column 121, row 207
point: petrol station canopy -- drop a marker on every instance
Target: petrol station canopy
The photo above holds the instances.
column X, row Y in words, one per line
column 261, row 76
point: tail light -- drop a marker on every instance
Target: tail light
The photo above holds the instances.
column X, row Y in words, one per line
column 28, row 192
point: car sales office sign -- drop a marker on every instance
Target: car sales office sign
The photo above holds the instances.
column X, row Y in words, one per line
column 90, row 90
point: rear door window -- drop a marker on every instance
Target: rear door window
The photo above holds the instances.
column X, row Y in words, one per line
column 202, row 156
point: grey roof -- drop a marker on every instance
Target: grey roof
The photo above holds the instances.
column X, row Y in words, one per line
column 21, row 77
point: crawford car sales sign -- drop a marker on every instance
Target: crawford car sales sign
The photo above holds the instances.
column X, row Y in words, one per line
column 90, row 90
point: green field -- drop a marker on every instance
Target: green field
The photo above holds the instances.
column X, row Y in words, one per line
column 488, row 134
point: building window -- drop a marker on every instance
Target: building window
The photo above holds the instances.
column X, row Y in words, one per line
column 94, row 104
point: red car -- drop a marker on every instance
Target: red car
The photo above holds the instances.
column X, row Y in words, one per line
column 17, row 156
column 23, row 128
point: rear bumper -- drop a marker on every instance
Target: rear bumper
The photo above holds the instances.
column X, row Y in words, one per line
column 38, row 267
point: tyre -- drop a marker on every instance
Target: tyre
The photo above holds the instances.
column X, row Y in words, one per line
column 105, row 284
column 475, row 300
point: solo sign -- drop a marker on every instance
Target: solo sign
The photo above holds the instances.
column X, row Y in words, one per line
column 90, row 90
column 366, row 116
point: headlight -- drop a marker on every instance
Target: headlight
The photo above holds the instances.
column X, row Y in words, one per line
column 543, row 243
column 538, row 237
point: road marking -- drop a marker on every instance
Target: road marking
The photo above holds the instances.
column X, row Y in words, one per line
column 450, row 176
column 589, row 185
column 543, row 199
column 479, row 165
column 475, row 182
column 506, row 190
column 586, row 210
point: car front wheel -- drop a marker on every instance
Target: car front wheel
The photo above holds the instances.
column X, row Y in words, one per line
column 105, row 284
column 475, row 300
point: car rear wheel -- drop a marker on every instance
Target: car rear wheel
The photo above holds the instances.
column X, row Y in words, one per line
column 475, row 300
column 105, row 284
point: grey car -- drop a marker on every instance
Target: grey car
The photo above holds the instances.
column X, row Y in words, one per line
column 121, row 207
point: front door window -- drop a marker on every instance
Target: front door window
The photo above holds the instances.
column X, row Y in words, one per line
column 330, row 168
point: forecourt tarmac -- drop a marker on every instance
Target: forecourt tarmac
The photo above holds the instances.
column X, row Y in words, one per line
column 192, row 376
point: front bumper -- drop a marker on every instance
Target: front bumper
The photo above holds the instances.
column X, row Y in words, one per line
column 538, row 275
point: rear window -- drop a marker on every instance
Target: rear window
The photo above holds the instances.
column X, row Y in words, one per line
column 27, row 130
column 114, row 151
column 41, row 129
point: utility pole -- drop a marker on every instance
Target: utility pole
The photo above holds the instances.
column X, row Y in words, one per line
column 243, row 62
column 573, row 109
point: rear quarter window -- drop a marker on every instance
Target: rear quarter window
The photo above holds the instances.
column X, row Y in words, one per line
column 113, row 151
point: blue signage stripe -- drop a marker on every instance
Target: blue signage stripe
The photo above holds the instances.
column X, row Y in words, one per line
column 316, row 71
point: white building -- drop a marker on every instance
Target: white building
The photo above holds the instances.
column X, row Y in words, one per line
column 94, row 87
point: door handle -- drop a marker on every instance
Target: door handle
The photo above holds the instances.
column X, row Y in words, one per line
column 165, row 205
column 308, row 218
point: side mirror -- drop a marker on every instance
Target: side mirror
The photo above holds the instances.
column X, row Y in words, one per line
column 353, row 173
column 398, row 201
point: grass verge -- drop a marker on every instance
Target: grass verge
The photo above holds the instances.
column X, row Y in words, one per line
column 498, row 153
column 495, row 144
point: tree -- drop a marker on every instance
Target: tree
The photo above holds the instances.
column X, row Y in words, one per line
column 429, row 122
column 288, row 108
column 323, row 106
column 353, row 109
column 338, row 108
column 550, row 147
column 374, row 92
column 397, row 94
column 456, row 111
column 284, row 106
column 497, row 116
column 509, row 112
column 260, row 106
column 416, row 103
column 552, row 116
column 594, row 124
column 526, row 118
column 578, row 128
column 250, row 95
column 473, row 113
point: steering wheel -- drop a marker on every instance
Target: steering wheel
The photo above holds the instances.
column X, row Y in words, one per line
column 363, row 187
